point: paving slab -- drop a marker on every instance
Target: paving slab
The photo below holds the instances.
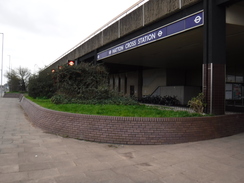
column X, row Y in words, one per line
column 28, row 155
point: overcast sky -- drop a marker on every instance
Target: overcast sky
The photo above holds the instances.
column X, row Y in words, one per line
column 36, row 32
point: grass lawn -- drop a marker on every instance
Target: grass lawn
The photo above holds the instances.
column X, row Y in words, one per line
column 114, row 110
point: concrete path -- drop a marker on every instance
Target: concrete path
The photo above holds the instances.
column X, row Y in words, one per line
column 27, row 155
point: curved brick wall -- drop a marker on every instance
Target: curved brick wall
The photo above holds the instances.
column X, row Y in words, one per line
column 132, row 130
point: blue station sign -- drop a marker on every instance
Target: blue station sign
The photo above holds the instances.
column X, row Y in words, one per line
column 184, row 24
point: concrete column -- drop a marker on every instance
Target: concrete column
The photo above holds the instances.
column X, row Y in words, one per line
column 214, row 57
column 140, row 83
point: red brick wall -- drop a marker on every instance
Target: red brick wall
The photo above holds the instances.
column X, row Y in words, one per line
column 132, row 130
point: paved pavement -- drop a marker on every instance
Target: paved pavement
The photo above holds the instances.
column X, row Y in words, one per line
column 27, row 155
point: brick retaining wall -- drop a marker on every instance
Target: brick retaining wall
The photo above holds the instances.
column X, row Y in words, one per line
column 132, row 130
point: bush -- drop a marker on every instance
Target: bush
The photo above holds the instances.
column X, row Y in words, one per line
column 197, row 103
column 81, row 82
column 157, row 99
column 116, row 100
column 85, row 84
column 59, row 99
column 120, row 100
column 41, row 86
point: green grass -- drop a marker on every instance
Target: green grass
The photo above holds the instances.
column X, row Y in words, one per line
column 17, row 92
column 113, row 110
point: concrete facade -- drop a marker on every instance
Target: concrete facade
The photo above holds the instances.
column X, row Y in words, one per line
column 155, row 9
column 109, row 34
column 182, row 83
column 148, row 13
column 136, row 17
column 144, row 15
column 153, row 79
column 185, row 3
column 207, row 56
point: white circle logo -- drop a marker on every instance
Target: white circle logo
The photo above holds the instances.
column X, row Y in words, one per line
column 160, row 33
column 109, row 52
column 197, row 19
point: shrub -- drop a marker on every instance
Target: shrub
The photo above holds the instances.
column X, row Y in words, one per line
column 41, row 85
column 197, row 103
column 85, row 84
column 59, row 99
column 157, row 99
column 82, row 82
column 116, row 100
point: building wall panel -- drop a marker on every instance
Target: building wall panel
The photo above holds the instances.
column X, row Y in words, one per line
column 150, row 12
column 131, row 22
column 111, row 33
column 157, row 9
column 185, row 3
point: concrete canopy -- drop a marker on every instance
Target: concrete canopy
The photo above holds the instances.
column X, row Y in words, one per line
column 183, row 50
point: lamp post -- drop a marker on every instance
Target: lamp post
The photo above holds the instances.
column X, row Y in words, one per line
column 2, row 65
column 9, row 59
column 10, row 72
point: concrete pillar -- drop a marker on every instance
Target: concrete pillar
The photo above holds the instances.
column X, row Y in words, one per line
column 214, row 57
column 140, row 83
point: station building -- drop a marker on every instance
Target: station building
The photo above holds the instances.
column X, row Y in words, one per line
column 172, row 47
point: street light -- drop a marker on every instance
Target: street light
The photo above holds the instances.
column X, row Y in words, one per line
column 2, row 64
column 10, row 72
column 9, row 59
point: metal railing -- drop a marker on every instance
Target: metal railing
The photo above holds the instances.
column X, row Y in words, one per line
column 117, row 18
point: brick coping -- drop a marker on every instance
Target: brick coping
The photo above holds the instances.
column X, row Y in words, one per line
column 132, row 130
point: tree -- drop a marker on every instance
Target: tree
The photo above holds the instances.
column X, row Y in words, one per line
column 24, row 74
column 13, row 81
column 18, row 79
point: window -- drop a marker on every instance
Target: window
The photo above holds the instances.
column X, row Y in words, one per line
column 230, row 78
column 228, row 91
column 239, row 79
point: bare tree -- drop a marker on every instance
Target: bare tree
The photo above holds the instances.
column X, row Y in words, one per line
column 24, row 74
column 18, row 79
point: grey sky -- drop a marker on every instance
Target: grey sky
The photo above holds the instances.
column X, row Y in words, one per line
column 36, row 32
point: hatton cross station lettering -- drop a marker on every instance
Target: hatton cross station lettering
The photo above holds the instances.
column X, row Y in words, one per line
column 134, row 43
column 176, row 27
